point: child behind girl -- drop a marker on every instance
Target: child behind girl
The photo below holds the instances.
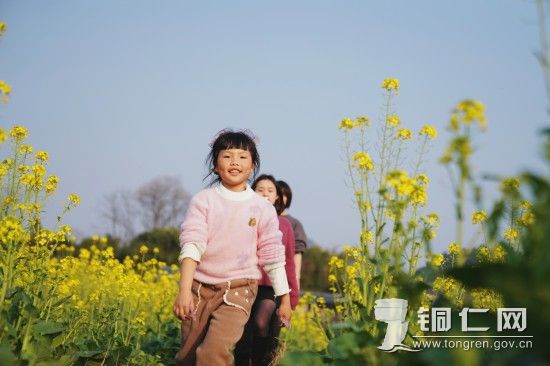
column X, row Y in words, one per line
column 300, row 237
column 260, row 338
column 228, row 232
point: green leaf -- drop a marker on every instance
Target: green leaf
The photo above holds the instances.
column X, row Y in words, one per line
column 343, row 346
column 301, row 358
column 45, row 327
column 57, row 341
column 89, row 353
column 6, row 356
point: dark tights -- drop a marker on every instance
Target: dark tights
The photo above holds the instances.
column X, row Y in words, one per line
column 259, row 341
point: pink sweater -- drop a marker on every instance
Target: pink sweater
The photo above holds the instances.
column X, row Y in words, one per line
column 288, row 240
column 234, row 232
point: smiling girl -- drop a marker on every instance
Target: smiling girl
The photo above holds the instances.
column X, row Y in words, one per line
column 228, row 233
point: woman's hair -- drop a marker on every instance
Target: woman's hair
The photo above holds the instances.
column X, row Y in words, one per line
column 285, row 191
column 279, row 205
column 229, row 139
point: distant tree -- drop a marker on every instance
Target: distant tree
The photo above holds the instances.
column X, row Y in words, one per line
column 162, row 202
column 165, row 239
column 159, row 203
column 315, row 269
column 118, row 209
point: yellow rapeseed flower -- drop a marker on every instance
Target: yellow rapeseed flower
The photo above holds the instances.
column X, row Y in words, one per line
column 433, row 218
column 346, row 124
column 479, row 216
column 3, row 135
column 527, row 218
column 74, row 199
column 404, row 134
column 335, row 262
column 419, row 195
column 366, row 236
column 42, row 156
column 510, row 184
column 467, row 111
column 363, row 160
column 511, row 234
column 437, row 260
column 499, row 254
column 143, row 249
column 525, row 204
column 393, row 120
column 39, row 170
column 5, row 88
column 19, row 133
column 422, row 179
column 361, row 121
column 483, row 253
column 429, row 131
column 454, row 248
column 25, row 149
column 391, row 84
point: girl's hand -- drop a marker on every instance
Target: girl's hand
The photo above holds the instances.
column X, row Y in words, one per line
column 284, row 310
column 184, row 306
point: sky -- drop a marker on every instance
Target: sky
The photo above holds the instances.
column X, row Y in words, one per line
column 120, row 92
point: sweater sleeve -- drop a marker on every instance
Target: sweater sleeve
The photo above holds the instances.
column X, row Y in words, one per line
column 271, row 251
column 288, row 241
column 270, row 247
column 194, row 231
column 299, row 236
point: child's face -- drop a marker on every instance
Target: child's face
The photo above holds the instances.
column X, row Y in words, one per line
column 234, row 166
column 267, row 189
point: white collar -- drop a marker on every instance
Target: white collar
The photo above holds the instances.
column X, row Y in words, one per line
column 234, row 196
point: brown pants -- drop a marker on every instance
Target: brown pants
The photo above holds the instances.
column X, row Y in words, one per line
column 222, row 310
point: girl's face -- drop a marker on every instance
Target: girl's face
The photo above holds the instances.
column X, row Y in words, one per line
column 234, row 166
column 267, row 189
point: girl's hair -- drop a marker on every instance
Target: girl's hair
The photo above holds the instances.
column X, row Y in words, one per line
column 286, row 191
column 279, row 205
column 228, row 139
